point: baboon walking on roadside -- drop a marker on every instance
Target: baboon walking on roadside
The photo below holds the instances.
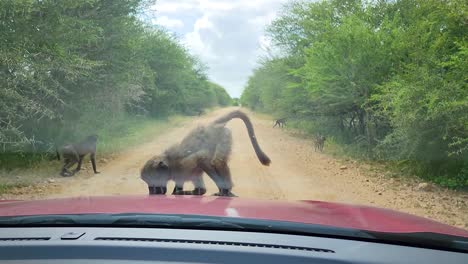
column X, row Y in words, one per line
column 74, row 153
column 280, row 122
column 204, row 149
column 319, row 142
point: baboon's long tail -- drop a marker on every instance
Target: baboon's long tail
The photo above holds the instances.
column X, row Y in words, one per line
column 58, row 155
column 262, row 157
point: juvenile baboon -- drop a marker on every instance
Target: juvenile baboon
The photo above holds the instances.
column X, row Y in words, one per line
column 280, row 122
column 319, row 142
column 204, row 149
column 74, row 153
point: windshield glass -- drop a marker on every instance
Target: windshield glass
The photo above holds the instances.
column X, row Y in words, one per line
column 338, row 101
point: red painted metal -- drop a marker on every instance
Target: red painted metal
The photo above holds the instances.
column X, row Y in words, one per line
column 310, row 212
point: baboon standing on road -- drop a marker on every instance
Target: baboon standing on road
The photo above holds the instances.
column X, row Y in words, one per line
column 204, row 149
column 74, row 153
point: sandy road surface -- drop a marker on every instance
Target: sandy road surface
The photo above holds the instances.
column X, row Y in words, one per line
column 296, row 173
column 288, row 177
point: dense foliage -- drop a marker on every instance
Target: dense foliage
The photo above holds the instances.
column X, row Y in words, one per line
column 387, row 78
column 71, row 67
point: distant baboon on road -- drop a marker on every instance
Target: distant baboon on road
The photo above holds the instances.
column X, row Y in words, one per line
column 280, row 122
column 74, row 153
column 319, row 142
column 204, row 149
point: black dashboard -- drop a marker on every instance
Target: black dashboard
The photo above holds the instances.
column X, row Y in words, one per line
column 160, row 245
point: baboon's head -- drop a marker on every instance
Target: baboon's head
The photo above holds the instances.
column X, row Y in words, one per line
column 156, row 174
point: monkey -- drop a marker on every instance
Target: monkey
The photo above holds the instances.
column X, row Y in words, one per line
column 319, row 142
column 74, row 153
column 280, row 122
column 204, row 149
column 200, row 112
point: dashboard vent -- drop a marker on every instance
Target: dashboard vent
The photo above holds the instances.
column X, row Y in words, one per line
column 23, row 238
column 222, row 243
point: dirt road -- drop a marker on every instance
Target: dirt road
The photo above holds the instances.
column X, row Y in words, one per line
column 296, row 173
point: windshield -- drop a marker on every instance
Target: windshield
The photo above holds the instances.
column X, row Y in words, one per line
column 338, row 101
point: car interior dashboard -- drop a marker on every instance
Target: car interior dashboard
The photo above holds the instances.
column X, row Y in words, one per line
column 161, row 245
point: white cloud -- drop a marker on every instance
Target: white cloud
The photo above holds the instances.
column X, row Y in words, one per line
column 168, row 22
column 263, row 20
column 199, row 42
column 170, row 6
column 213, row 5
column 228, row 35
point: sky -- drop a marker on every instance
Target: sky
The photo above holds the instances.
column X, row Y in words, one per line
column 228, row 36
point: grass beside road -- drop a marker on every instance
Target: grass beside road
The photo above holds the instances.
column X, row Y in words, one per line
column 133, row 132
column 404, row 169
column 115, row 138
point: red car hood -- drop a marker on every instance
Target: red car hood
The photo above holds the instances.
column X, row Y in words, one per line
column 309, row 212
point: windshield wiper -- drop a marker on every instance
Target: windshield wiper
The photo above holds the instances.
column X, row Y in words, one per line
column 38, row 220
column 172, row 221
column 233, row 224
column 118, row 220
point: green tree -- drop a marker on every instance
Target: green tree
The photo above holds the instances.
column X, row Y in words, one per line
column 387, row 78
column 70, row 68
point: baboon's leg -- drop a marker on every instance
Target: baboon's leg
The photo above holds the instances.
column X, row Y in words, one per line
column 179, row 186
column 225, row 174
column 157, row 190
column 218, row 169
column 80, row 161
column 213, row 174
column 93, row 162
column 70, row 157
column 67, row 164
column 276, row 123
column 191, row 162
column 178, row 190
column 199, row 185
column 223, row 148
column 158, row 185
